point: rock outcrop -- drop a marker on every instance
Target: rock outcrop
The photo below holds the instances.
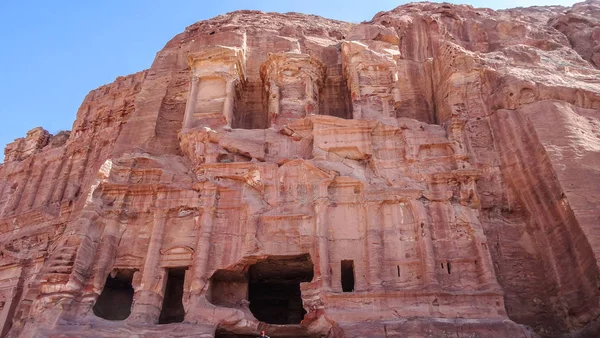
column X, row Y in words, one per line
column 432, row 172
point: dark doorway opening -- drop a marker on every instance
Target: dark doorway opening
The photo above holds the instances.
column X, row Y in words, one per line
column 114, row 303
column 347, row 275
column 172, row 308
column 274, row 288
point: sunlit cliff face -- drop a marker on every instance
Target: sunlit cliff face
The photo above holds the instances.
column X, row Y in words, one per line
column 431, row 170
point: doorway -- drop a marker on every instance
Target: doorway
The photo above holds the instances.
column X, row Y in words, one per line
column 347, row 269
column 114, row 303
column 274, row 288
column 172, row 308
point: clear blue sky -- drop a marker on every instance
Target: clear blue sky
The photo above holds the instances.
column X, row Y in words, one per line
column 53, row 52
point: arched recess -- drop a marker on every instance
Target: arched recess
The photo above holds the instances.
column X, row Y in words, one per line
column 114, row 303
column 269, row 287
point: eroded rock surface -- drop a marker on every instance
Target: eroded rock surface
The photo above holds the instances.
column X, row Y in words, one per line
column 432, row 172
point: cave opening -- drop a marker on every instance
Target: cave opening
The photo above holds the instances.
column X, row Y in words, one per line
column 274, row 288
column 114, row 303
column 172, row 308
column 347, row 267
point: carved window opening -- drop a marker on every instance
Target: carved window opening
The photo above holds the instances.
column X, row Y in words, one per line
column 347, row 275
column 172, row 307
column 114, row 303
column 398, row 267
column 274, row 288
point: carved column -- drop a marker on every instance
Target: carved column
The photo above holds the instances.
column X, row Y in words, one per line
column 48, row 194
column 354, row 86
column 199, row 270
column 15, row 198
column 321, row 206
column 106, row 253
column 75, row 183
column 148, row 299
column 63, row 180
column 312, row 98
column 8, row 299
column 425, row 243
column 374, row 243
column 191, row 102
column 487, row 266
column 455, row 129
column 103, row 260
column 363, row 283
column 274, row 98
column 33, row 192
column 229, row 97
column 202, row 258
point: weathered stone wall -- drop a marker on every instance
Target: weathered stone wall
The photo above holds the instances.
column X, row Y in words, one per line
column 428, row 172
column 45, row 179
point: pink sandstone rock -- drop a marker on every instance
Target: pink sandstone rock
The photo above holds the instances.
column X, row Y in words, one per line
column 433, row 172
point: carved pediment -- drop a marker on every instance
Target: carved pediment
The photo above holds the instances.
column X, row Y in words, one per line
column 177, row 250
column 292, row 65
column 218, row 60
column 177, row 256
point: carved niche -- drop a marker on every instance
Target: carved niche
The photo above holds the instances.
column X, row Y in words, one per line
column 293, row 82
column 372, row 78
column 218, row 73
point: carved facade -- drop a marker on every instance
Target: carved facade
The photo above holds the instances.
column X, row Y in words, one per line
column 217, row 77
column 293, row 83
column 273, row 178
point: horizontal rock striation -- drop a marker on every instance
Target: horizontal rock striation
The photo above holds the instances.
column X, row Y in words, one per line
column 432, row 172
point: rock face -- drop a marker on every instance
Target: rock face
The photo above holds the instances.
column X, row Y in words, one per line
column 432, row 172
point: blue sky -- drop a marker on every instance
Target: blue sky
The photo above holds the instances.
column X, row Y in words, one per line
column 53, row 52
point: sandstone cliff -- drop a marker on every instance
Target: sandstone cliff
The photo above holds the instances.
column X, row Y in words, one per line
column 432, row 172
